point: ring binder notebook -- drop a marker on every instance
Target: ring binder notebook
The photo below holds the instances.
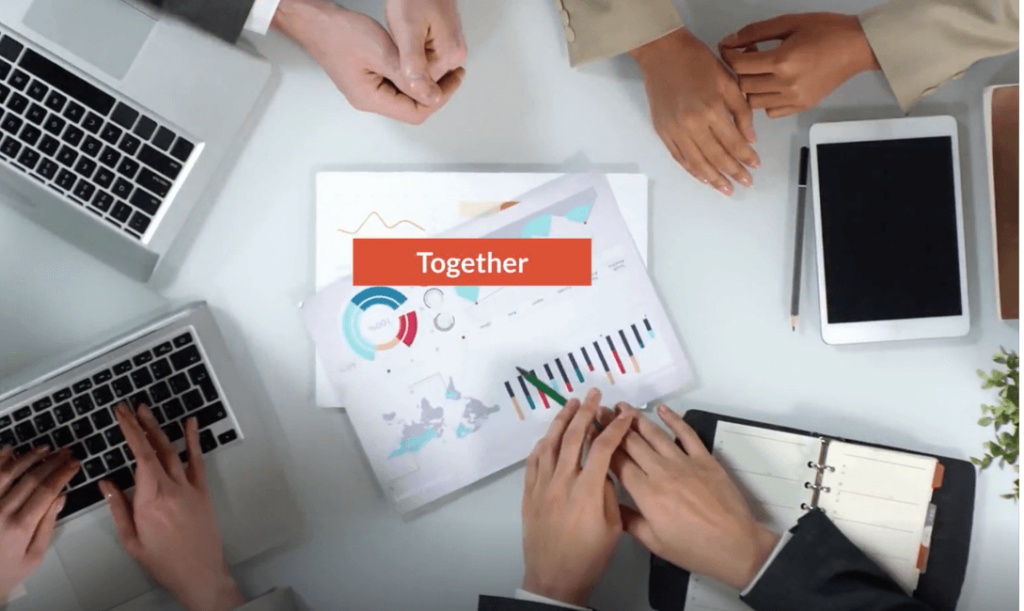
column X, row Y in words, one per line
column 910, row 513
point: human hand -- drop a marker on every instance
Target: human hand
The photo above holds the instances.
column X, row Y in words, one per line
column 360, row 57
column 819, row 52
column 691, row 512
column 571, row 520
column 430, row 44
column 169, row 527
column 30, row 500
column 698, row 110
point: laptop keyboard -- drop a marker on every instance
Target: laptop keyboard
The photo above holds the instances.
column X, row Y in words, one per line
column 99, row 152
column 172, row 377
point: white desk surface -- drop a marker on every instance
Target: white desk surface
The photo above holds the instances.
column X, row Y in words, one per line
column 722, row 265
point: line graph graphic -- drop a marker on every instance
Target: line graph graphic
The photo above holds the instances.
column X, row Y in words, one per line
column 377, row 215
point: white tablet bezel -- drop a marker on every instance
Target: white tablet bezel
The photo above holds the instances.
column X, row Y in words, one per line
column 889, row 330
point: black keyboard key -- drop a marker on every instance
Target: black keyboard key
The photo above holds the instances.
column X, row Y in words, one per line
column 94, row 468
column 161, row 369
column 44, row 423
column 122, row 367
column 18, row 103
column 173, row 431
column 103, row 201
column 85, row 167
column 63, row 437
column 158, row 414
column 79, row 452
column 11, row 124
column 193, row 400
column 56, row 101
column 114, row 459
column 21, row 414
column 95, row 444
column 174, row 409
column 111, row 133
column 83, row 404
column 7, row 438
column 139, row 222
column 163, row 139
column 79, row 479
column 145, row 127
column 139, row 399
column 104, row 178
column 141, row 378
column 128, row 167
column 84, row 190
column 121, row 211
column 110, row 157
column 145, row 201
column 129, row 144
column 4, row 89
column 142, row 358
column 61, row 395
column 122, row 386
column 5, row 421
column 183, row 340
column 93, row 123
column 211, row 414
column 48, row 168
column 22, row 450
column 64, row 413
column 179, row 383
column 79, row 499
column 28, row 159
column 41, row 404
column 209, row 390
column 102, row 395
column 25, row 431
column 54, row 124
column 82, row 386
column 19, row 80
column 114, row 436
column 67, row 156
column 5, row 70
column 36, row 114
column 207, row 442
column 73, row 135
column 30, row 135
column 185, row 358
column 62, row 79
column 10, row 49
column 66, row 179
column 122, row 478
column 198, row 373
column 122, row 188
column 43, row 441
column 159, row 162
column 154, row 182
column 74, row 112
column 227, row 437
column 37, row 91
column 49, row 145
column 92, row 147
column 124, row 115
column 162, row 349
column 102, row 419
column 182, row 149
column 10, row 147
column 82, row 428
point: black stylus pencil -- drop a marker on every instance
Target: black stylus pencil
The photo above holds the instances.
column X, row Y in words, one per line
column 798, row 246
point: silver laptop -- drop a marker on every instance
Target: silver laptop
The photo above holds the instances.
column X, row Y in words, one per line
column 179, row 364
column 114, row 119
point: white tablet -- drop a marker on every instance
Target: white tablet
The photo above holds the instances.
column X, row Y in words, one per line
column 889, row 223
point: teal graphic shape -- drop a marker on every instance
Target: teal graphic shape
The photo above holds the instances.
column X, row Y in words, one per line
column 537, row 228
column 469, row 293
column 579, row 214
column 414, row 444
column 462, row 431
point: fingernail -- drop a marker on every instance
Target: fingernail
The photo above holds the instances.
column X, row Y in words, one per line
column 105, row 489
column 751, row 136
column 746, row 181
column 663, row 410
column 622, row 406
column 42, row 450
column 59, row 503
column 121, row 409
column 593, row 393
column 725, row 189
column 705, row 181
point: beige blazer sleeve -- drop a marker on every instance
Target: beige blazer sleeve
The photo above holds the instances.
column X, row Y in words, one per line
column 921, row 44
column 596, row 29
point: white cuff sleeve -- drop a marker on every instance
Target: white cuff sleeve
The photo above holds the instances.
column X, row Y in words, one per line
column 261, row 15
column 786, row 536
column 522, row 594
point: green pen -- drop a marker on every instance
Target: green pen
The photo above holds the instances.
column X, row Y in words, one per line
column 547, row 390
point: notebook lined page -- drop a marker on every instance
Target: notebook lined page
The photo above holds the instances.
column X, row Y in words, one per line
column 879, row 499
column 770, row 468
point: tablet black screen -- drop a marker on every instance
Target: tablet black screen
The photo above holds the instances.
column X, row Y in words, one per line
column 888, row 225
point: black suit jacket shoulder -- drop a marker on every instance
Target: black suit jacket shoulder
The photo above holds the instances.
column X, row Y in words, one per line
column 819, row 568
column 222, row 18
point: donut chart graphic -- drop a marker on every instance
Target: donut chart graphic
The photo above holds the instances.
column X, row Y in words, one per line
column 366, row 299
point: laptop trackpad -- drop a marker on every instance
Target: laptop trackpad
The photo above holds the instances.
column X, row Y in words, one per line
column 101, row 573
column 106, row 33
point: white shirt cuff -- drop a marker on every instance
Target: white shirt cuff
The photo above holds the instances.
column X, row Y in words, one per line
column 522, row 594
column 261, row 15
column 786, row 536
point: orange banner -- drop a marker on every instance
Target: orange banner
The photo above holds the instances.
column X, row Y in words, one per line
column 471, row 262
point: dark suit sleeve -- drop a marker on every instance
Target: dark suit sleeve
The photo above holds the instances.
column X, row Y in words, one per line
column 819, row 568
column 222, row 18
column 495, row 603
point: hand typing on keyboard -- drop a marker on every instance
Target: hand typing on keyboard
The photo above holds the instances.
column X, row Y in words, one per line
column 169, row 527
column 364, row 62
column 30, row 499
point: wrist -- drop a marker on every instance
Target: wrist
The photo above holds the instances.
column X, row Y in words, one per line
column 556, row 591
column 762, row 543
column 294, row 17
column 217, row 593
column 656, row 49
column 862, row 57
